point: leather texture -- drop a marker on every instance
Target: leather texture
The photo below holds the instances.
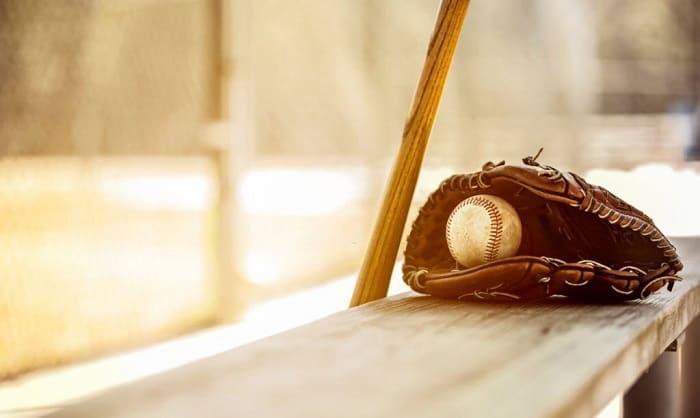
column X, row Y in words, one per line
column 579, row 241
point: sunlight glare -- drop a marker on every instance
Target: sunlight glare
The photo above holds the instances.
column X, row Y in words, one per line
column 669, row 196
column 161, row 192
column 260, row 269
column 300, row 192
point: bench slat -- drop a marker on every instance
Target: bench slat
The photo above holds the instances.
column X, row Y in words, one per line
column 415, row 356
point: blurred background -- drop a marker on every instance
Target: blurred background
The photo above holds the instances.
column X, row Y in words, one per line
column 178, row 177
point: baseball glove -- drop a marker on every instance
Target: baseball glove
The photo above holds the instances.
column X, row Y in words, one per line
column 578, row 241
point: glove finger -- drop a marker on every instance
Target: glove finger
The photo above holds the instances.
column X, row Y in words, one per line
column 511, row 278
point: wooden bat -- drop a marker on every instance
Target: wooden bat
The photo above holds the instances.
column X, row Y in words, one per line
column 373, row 280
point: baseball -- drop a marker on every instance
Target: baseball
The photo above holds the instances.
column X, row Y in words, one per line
column 481, row 229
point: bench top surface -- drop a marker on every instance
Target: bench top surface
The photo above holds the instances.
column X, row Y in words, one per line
column 416, row 356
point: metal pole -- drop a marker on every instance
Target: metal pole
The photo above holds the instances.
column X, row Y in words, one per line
column 690, row 372
column 655, row 394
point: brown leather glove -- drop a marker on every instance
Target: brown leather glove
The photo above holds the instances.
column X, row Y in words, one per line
column 579, row 240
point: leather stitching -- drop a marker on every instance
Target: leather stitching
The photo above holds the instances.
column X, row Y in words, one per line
column 594, row 205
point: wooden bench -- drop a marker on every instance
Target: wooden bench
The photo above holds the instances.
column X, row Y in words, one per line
column 417, row 356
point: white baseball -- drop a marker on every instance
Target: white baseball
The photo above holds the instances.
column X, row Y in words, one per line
column 483, row 228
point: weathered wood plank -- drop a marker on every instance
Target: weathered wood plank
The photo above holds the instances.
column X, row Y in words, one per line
column 415, row 356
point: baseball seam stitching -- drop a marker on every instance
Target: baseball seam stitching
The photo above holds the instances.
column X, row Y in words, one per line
column 495, row 232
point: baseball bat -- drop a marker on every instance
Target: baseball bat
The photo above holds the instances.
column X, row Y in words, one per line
column 375, row 274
